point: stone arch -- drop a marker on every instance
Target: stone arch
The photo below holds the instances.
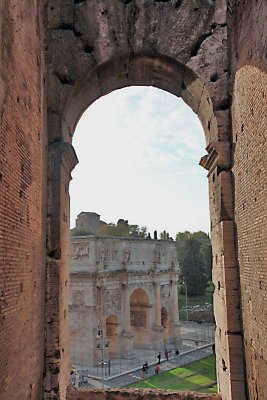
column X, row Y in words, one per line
column 164, row 317
column 140, row 317
column 165, row 323
column 143, row 70
column 112, row 334
column 94, row 48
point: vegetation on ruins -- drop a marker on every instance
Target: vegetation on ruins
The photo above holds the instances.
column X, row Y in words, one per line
column 123, row 229
column 79, row 232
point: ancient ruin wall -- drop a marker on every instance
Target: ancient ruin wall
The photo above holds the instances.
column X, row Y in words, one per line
column 137, row 394
column 22, row 180
column 249, row 115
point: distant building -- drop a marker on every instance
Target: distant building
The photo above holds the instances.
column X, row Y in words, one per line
column 130, row 285
column 89, row 222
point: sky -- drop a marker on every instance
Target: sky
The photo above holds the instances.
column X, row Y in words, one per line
column 138, row 151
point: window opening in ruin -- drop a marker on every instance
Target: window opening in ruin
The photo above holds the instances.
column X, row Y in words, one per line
column 138, row 157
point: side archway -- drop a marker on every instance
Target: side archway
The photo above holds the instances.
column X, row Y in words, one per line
column 112, row 334
column 165, row 323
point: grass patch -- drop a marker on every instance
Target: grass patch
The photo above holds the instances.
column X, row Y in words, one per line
column 199, row 376
column 196, row 300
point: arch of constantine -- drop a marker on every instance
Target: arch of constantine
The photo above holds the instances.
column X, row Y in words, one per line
column 57, row 58
column 129, row 285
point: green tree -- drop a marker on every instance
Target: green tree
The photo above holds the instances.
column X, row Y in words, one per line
column 194, row 255
column 123, row 229
column 205, row 248
column 193, row 267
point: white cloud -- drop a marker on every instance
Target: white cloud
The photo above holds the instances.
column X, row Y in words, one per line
column 139, row 150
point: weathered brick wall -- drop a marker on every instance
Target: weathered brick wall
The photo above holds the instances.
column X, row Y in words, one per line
column 249, row 116
column 137, row 394
column 22, row 181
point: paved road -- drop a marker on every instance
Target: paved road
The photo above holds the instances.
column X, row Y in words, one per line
column 175, row 362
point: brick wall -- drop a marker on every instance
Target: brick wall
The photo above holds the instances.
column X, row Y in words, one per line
column 249, row 116
column 21, row 201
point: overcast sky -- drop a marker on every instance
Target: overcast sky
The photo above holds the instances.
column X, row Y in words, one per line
column 138, row 151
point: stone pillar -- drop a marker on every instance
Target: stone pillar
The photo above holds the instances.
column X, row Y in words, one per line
column 174, row 300
column 127, row 337
column 158, row 328
column 228, row 338
column 174, row 317
column 158, row 305
column 127, row 316
column 61, row 161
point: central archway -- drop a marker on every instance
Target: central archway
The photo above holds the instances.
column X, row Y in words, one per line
column 139, row 318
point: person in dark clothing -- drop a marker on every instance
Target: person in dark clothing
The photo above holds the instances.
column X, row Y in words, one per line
column 166, row 354
column 159, row 357
column 143, row 371
column 146, row 367
column 177, row 352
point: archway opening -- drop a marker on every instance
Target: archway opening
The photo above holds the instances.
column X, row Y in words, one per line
column 139, row 318
column 164, row 317
column 112, row 334
column 177, row 147
column 165, row 326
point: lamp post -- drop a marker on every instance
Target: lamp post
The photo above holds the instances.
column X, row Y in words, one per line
column 100, row 345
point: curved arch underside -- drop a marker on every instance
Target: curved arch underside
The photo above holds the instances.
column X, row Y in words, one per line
column 104, row 47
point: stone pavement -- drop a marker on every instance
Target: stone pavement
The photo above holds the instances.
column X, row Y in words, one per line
column 174, row 362
column 193, row 336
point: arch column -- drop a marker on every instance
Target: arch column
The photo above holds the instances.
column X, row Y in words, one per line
column 174, row 322
column 127, row 337
column 225, row 273
column 158, row 305
column 61, row 161
column 158, row 329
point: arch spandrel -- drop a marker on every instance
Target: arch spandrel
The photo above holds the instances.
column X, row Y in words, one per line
column 96, row 47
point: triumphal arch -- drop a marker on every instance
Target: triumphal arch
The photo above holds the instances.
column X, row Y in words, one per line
column 129, row 286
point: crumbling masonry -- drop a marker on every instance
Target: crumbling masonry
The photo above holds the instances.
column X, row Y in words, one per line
column 57, row 57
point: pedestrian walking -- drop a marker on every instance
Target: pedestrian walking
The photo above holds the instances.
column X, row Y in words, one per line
column 143, row 371
column 157, row 369
column 166, row 354
column 177, row 352
column 146, row 367
column 159, row 357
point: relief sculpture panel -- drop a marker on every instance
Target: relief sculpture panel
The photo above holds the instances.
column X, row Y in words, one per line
column 77, row 297
column 112, row 300
column 80, row 251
